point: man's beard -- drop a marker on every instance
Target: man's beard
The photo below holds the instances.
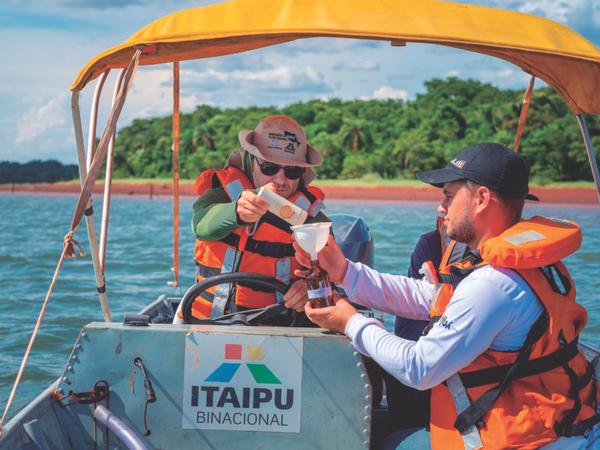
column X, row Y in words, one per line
column 463, row 231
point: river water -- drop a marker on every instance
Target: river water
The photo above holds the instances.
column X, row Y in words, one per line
column 139, row 260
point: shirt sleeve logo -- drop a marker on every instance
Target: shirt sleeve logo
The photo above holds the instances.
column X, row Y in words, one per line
column 445, row 323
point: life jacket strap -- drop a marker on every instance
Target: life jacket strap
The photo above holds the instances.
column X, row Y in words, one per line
column 531, row 367
column 432, row 321
column 264, row 248
column 457, row 274
column 581, row 427
column 479, row 408
column 470, row 436
column 283, row 269
column 223, row 292
column 309, row 202
column 556, row 279
column 458, row 253
column 566, row 426
column 311, row 198
column 276, row 221
column 203, row 271
column 305, row 199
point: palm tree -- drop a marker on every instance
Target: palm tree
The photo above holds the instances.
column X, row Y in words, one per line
column 355, row 135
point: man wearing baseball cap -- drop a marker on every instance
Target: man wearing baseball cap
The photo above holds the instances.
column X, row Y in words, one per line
column 500, row 353
column 234, row 230
column 489, row 165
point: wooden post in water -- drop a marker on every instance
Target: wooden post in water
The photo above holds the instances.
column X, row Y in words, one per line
column 151, row 190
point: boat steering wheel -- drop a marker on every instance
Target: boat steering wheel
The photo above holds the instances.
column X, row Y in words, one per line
column 247, row 317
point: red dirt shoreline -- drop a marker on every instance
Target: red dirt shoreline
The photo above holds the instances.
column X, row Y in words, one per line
column 586, row 196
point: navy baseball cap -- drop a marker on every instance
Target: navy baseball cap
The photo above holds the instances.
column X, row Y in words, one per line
column 490, row 165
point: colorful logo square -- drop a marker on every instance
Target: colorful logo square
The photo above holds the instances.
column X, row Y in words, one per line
column 255, row 352
column 233, row 351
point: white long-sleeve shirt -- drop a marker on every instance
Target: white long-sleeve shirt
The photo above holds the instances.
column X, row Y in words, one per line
column 493, row 308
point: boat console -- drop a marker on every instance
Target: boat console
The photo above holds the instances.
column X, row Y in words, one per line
column 213, row 387
column 146, row 383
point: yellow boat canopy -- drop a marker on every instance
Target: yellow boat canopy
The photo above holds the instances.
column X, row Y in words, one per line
column 550, row 51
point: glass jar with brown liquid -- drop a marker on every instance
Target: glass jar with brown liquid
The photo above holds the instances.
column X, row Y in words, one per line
column 320, row 293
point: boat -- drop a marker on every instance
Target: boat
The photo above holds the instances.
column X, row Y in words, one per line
column 146, row 383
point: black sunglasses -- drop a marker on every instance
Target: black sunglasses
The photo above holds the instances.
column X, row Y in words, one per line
column 269, row 169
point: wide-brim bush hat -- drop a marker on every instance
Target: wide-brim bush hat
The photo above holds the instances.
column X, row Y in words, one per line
column 280, row 140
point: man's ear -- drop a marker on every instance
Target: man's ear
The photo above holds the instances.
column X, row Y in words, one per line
column 482, row 198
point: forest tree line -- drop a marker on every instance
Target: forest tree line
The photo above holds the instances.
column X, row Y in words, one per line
column 382, row 138
column 388, row 138
column 37, row 171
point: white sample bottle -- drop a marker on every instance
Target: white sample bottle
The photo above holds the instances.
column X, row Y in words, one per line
column 282, row 207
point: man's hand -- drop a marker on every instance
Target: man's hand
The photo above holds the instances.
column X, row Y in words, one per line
column 331, row 260
column 296, row 297
column 250, row 207
column 333, row 317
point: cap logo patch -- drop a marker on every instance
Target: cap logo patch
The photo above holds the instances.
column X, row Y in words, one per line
column 460, row 163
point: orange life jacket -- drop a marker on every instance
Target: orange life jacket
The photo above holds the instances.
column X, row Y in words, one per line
column 530, row 397
column 265, row 248
column 444, row 238
column 452, row 252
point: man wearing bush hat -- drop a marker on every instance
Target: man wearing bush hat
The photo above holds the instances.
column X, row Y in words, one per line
column 235, row 232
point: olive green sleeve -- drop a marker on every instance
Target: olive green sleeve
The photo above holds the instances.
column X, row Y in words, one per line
column 214, row 215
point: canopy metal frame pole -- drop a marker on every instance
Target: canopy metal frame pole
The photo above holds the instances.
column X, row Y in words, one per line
column 523, row 115
column 587, row 140
column 175, row 149
column 91, row 145
column 108, row 182
column 89, row 213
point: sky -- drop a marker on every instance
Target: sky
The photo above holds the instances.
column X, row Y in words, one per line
column 47, row 42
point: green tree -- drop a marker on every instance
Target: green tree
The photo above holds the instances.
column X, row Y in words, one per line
column 388, row 137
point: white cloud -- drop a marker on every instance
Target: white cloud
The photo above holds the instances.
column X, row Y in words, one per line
column 152, row 95
column 42, row 119
column 558, row 10
column 278, row 78
column 452, row 73
column 330, row 45
column 355, row 66
column 100, row 4
column 584, row 16
column 581, row 15
column 504, row 77
column 388, row 92
column 507, row 73
column 240, row 61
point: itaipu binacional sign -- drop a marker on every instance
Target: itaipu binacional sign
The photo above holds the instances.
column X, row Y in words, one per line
column 242, row 382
